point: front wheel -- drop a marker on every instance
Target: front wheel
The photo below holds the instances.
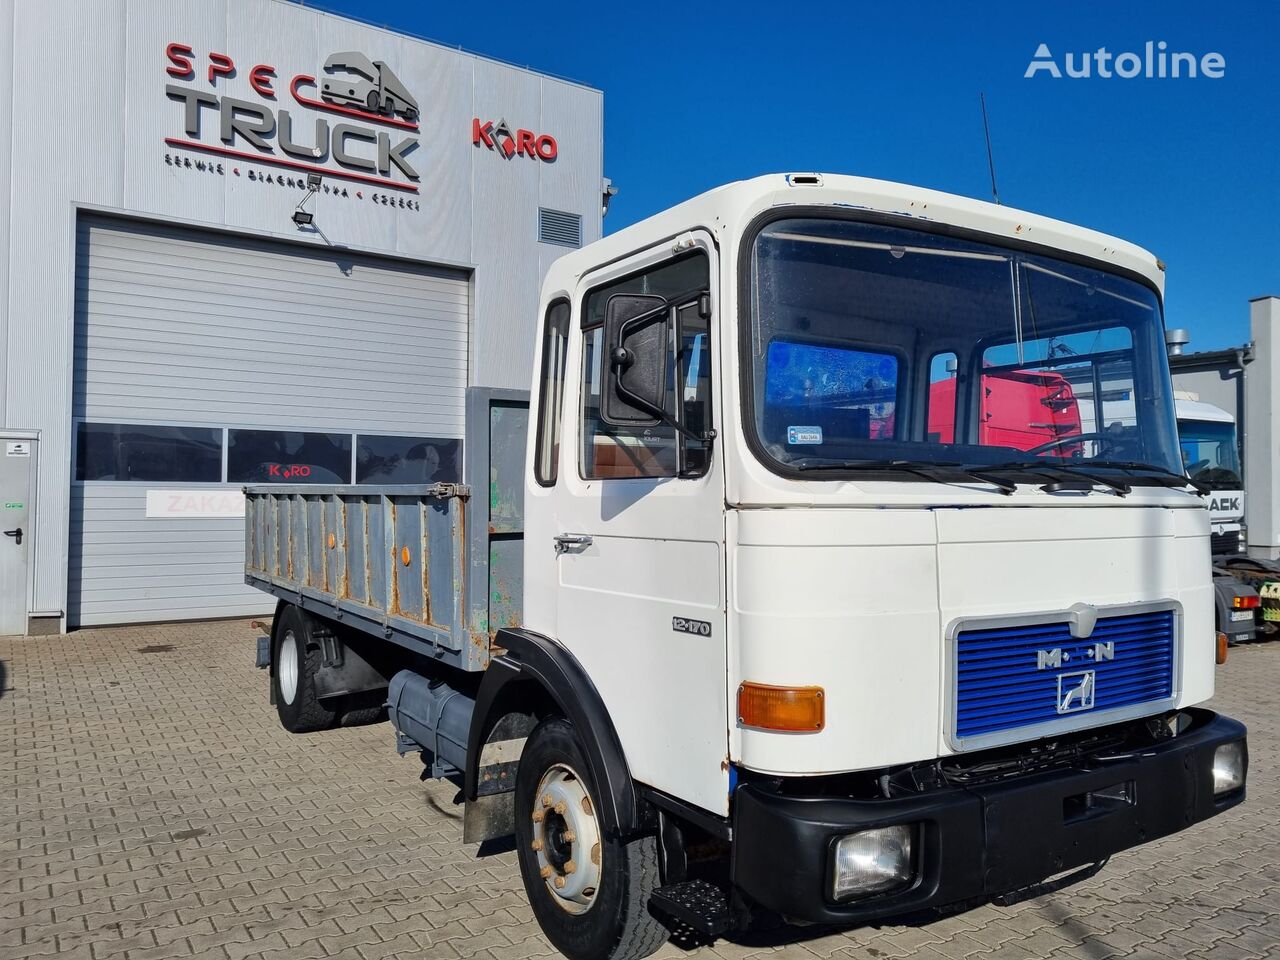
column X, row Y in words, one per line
column 589, row 892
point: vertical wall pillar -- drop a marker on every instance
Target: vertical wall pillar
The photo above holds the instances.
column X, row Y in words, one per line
column 1262, row 431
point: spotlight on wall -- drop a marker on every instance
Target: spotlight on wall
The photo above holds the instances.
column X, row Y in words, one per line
column 303, row 217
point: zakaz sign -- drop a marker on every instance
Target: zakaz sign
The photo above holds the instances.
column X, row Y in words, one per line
column 361, row 94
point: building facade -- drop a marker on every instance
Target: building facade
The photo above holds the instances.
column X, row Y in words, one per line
column 247, row 242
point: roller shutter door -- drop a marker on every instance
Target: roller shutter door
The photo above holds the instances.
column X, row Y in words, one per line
column 189, row 344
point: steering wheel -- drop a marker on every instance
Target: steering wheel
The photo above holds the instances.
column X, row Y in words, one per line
column 1063, row 441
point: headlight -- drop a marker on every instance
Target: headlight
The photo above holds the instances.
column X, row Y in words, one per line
column 1228, row 768
column 873, row 861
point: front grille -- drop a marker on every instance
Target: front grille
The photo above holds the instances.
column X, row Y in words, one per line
column 1228, row 542
column 1011, row 677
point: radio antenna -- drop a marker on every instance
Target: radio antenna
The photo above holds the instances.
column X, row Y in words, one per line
column 991, row 162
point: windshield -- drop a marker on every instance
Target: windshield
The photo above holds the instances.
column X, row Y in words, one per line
column 871, row 344
column 1209, row 453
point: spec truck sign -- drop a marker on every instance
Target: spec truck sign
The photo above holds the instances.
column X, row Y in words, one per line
column 358, row 122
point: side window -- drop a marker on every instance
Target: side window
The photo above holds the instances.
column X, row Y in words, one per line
column 156, row 453
column 940, row 408
column 285, row 456
column 616, row 452
column 826, row 399
column 555, row 343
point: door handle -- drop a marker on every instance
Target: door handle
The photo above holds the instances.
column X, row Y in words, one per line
column 17, row 536
column 571, row 541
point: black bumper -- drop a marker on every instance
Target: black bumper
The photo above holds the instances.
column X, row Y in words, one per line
column 980, row 841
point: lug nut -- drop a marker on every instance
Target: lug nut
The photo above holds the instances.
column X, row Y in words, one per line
column 570, row 867
column 538, row 816
column 559, row 883
column 545, row 872
column 546, row 800
column 562, row 808
column 570, row 836
column 537, row 845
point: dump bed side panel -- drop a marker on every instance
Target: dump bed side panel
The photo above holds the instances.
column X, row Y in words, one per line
column 437, row 569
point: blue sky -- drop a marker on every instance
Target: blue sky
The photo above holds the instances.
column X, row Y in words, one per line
column 698, row 94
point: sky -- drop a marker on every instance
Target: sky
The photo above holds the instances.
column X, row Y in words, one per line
column 698, row 94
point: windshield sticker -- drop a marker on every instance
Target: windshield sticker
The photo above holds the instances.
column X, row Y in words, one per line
column 804, row 435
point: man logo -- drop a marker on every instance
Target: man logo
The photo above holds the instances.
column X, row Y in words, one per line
column 1051, row 659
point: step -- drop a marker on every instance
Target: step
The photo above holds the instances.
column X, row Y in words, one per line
column 696, row 903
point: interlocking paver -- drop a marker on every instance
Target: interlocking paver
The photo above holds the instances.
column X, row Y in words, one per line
column 154, row 809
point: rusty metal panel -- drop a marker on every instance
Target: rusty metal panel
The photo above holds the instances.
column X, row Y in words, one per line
column 357, row 549
column 437, row 569
column 317, row 529
column 408, row 591
column 497, row 428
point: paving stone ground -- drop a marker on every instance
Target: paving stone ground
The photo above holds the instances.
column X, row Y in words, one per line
column 151, row 807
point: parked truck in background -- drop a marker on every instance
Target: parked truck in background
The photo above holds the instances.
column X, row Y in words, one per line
column 733, row 616
column 1211, row 455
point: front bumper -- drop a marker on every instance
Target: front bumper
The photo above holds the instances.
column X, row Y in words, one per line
column 980, row 841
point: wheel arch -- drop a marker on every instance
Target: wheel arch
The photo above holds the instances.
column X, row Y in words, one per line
column 536, row 678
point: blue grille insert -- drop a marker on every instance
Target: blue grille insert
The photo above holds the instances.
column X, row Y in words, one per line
column 1010, row 677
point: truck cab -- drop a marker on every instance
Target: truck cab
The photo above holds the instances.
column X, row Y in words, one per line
column 1211, row 456
column 784, row 569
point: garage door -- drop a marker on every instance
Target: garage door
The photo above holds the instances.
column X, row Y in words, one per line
column 204, row 361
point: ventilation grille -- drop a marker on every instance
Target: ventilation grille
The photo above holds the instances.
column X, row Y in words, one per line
column 1004, row 681
column 556, row 226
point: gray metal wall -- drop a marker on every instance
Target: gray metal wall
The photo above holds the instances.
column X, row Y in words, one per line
column 83, row 122
column 183, row 327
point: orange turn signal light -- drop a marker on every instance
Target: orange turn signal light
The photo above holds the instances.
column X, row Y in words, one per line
column 799, row 709
column 1222, row 648
column 1246, row 603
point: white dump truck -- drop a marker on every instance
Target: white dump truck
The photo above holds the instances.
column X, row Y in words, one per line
column 725, row 618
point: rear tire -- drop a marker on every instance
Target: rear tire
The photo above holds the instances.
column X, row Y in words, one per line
column 295, row 658
column 589, row 892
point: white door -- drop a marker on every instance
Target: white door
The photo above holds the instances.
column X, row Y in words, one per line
column 15, row 522
column 640, row 555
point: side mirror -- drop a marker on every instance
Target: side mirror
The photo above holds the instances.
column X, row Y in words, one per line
column 637, row 333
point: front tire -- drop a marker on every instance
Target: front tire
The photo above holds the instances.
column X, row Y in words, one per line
column 589, row 892
column 294, row 662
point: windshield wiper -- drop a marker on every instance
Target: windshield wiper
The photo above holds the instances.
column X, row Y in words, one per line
column 1065, row 469
column 1170, row 478
column 937, row 471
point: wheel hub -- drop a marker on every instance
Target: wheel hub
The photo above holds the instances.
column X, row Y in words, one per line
column 287, row 668
column 566, row 839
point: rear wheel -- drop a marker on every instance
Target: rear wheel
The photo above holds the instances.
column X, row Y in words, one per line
column 373, row 102
column 589, row 892
column 294, row 663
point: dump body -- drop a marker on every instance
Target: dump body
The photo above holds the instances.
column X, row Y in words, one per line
column 435, row 568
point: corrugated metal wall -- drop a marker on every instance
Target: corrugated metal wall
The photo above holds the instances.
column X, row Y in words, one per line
column 177, row 326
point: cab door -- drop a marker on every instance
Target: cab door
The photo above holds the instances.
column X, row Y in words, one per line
column 639, row 521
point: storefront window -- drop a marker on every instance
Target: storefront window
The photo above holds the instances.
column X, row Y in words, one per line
column 135, row 451
column 279, row 456
column 410, row 460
